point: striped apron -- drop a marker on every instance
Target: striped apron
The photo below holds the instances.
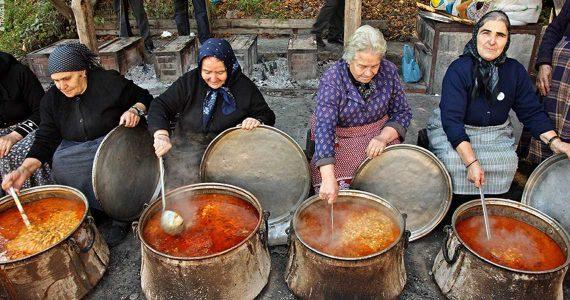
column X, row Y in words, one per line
column 494, row 147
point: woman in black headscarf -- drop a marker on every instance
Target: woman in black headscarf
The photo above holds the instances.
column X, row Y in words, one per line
column 20, row 95
column 85, row 104
column 471, row 131
column 205, row 101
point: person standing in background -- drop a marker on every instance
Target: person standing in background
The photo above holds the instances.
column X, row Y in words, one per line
column 200, row 15
column 122, row 11
column 331, row 15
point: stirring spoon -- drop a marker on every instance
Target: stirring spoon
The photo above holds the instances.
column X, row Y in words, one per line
column 170, row 221
column 485, row 215
column 20, row 208
column 332, row 219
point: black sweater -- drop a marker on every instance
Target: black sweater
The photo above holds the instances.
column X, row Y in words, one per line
column 20, row 95
column 88, row 116
column 186, row 95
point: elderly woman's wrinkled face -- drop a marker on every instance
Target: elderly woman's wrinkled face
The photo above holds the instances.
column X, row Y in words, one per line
column 214, row 72
column 71, row 83
column 492, row 39
column 365, row 65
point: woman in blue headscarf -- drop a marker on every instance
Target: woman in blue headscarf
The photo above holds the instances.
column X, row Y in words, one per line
column 202, row 103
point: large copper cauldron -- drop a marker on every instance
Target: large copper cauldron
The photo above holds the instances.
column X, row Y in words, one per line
column 67, row 270
column 239, row 272
column 312, row 274
column 462, row 273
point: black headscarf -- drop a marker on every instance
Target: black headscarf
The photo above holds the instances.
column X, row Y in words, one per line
column 222, row 50
column 72, row 57
column 6, row 61
column 486, row 73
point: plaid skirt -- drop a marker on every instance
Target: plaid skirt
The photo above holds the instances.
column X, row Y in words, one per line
column 16, row 157
column 556, row 104
column 350, row 151
column 494, row 147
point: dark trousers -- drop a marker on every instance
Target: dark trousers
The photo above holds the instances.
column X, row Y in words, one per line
column 200, row 15
column 331, row 15
column 122, row 10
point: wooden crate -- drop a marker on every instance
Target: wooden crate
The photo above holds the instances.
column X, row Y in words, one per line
column 122, row 53
column 441, row 43
column 302, row 56
column 176, row 58
column 245, row 48
column 38, row 60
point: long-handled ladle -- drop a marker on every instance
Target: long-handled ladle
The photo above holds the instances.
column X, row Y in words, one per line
column 20, row 208
column 485, row 215
column 170, row 221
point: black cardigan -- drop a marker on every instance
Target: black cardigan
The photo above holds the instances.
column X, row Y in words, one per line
column 88, row 116
column 186, row 95
column 20, row 95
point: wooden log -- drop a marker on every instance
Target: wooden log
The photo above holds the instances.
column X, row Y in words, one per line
column 63, row 9
column 352, row 18
column 83, row 12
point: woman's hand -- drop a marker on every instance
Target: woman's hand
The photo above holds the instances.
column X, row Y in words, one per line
column 16, row 178
column 543, row 79
column 476, row 174
column 558, row 146
column 375, row 147
column 161, row 143
column 329, row 185
column 7, row 141
column 250, row 123
column 130, row 118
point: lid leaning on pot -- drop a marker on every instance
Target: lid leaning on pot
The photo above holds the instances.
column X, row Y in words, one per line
column 548, row 189
column 412, row 179
column 265, row 161
column 125, row 172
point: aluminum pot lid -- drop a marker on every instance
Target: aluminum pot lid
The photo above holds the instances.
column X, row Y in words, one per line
column 548, row 189
column 264, row 161
column 412, row 179
column 125, row 172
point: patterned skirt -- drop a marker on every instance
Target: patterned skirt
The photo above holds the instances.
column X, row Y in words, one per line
column 556, row 103
column 16, row 157
column 494, row 147
column 350, row 151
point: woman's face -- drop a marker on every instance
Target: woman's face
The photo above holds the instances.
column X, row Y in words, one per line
column 491, row 39
column 214, row 72
column 72, row 83
column 365, row 65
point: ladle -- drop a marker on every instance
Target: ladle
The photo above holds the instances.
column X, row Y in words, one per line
column 20, row 208
column 485, row 215
column 170, row 221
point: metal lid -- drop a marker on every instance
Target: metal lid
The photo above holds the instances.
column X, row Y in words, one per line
column 547, row 189
column 125, row 172
column 413, row 180
column 265, row 161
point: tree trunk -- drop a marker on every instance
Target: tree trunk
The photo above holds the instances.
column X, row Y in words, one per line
column 352, row 18
column 83, row 11
column 63, row 9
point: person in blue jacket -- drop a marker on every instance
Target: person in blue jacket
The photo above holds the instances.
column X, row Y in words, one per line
column 470, row 131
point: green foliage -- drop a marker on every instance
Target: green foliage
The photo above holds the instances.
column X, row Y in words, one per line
column 159, row 9
column 30, row 25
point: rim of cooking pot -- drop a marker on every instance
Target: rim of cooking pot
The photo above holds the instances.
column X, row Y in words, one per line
column 401, row 219
column 42, row 192
column 492, row 203
column 547, row 189
column 297, row 183
column 203, row 188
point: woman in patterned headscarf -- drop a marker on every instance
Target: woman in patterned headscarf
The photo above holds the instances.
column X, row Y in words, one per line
column 204, row 102
column 20, row 95
column 361, row 108
column 85, row 104
column 471, row 131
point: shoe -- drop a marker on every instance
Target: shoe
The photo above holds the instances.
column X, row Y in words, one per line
column 320, row 42
column 114, row 232
column 339, row 41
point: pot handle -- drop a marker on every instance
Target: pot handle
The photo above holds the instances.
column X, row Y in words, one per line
column 448, row 230
column 264, row 232
column 75, row 244
column 135, row 228
column 407, row 233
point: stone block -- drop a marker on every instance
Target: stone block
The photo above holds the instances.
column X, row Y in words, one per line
column 176, row 58
column 302, row 57
column 245, row 48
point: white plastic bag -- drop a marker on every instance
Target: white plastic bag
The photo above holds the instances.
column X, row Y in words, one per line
column 520, row 12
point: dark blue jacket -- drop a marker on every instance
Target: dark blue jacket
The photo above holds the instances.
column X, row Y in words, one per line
column 559, row 28
column 457, row 110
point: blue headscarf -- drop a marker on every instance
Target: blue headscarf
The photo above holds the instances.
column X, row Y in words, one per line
column 222, row 50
